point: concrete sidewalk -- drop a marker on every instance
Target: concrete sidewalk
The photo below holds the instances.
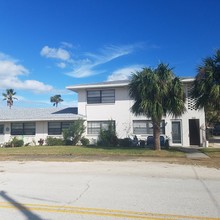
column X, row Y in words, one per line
column 194, row 153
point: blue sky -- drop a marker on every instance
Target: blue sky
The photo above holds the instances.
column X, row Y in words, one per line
column 46, row 45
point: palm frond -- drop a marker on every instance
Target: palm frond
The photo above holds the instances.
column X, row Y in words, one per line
column 206, row 87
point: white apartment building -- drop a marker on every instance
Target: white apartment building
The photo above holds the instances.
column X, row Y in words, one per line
column 100, row 103
column 33, row 124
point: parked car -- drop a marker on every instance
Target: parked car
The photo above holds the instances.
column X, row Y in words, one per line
column 216, row 130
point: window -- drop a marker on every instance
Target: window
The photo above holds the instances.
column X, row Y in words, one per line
column 176, row 132
column 26, row 128
column 146, row 127
column 1, row 129
column 56, row 128
column 29, row 128
column 94, row 127
column 101, row 96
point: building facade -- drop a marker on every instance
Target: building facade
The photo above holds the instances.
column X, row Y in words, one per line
column 109, row 102
column 33, row 124
column 98, row 105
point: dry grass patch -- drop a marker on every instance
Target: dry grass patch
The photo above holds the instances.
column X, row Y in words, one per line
column 211, row 152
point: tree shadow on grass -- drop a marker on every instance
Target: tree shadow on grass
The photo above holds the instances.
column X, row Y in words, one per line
column 24, row 210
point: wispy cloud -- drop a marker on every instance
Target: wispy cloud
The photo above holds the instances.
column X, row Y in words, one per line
column 66, row 44
column 92, row 62
column 11, row 70
column 124, row 73
column 88, row 64
column 62, row 65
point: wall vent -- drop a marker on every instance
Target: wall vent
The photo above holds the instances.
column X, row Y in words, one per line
column 191, row 102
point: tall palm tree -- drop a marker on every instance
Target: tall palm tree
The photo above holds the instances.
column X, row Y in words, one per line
column 9, row 96
column 56, row 99
column 206, row 87
column 156, row 93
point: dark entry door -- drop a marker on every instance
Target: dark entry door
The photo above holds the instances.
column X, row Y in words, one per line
column 194, row 132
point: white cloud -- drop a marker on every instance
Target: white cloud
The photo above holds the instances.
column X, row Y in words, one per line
column 62, row 65
column 124, row 73
column 87, row 64
column 5, row 57
column 10, row 70
column 8, row 67
column 33, row 85
column 57, row 53
column 36, row 86
column 91, row 62
column 66, row 44
column 109, row 53
column 82, row 71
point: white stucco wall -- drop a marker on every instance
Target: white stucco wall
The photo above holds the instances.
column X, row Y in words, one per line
column 120, row 112
column 41, row 133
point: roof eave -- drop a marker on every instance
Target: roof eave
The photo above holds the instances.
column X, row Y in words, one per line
column 95, row 86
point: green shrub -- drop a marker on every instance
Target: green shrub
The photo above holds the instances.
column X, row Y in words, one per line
column 73, row 134
column 16, row 142
column 108, row 138
column 52, row 141
column 84, row 141
column 125, row 142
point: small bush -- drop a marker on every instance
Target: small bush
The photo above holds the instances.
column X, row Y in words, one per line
column 84, row 141
column 73, row 134
column 125, row 142
column 16, row 142
column 52, row 141
column 108, row 138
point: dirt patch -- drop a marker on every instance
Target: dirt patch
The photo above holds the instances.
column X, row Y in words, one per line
column 209, row 162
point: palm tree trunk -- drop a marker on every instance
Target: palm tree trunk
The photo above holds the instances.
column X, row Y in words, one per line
column 156, row 130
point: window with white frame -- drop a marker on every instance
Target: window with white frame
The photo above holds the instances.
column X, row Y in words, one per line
column 146, row 127
column 94, row 127
column 23, row 128
column 101, row 96
column 56, row 128
column 176, row 132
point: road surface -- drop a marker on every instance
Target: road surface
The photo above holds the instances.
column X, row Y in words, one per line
column 107, row 190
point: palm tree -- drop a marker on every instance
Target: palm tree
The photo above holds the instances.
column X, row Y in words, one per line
column 56, row 99
column 156, row 93
column 9, row 96
column 206, row 87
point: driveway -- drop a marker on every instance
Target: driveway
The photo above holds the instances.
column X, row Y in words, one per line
column 108, row 190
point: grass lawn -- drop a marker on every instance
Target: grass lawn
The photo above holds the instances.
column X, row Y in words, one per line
column 86, row 151
column 212, row 152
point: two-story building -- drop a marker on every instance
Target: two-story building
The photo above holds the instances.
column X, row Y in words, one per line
column 100, row 104
column 107, row 102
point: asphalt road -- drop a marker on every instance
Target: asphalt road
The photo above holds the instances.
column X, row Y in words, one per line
column 107, row 190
